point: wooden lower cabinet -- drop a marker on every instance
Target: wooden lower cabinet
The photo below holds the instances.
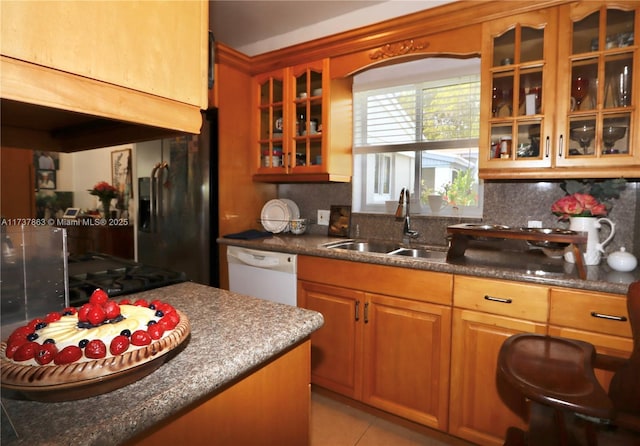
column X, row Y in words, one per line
column 270, row 406
column 486, row 312
column 406, row 358
column 424, row 345
column 388, row 352
column 336, row 348
column 481, row 408
column 601, row 319
column 113, row 240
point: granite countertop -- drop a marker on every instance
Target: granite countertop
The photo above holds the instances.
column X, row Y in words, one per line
column 231, row 334
column 531, row 266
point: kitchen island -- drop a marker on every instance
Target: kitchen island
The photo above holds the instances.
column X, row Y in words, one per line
column 238, row 346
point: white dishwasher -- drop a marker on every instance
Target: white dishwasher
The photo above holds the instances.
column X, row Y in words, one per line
column 263, row 274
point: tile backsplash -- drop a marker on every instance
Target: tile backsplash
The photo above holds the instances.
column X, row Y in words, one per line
column 511, row 203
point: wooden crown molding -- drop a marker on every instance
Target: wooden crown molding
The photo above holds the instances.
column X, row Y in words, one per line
column 412, row 26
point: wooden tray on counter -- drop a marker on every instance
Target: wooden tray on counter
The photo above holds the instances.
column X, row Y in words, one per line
column 461, row 235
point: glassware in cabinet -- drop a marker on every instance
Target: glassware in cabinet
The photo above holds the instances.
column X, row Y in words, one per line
column 271, row 125
column 308, row 105
column 601, row 113
column 517, row 75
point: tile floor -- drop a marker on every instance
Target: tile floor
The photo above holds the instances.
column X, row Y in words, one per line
column 336, row 424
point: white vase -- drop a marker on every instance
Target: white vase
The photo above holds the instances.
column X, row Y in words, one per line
column 594, row 248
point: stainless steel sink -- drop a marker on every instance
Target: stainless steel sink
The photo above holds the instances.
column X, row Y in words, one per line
column 364, row 246
column 419, row 253
column 388, row 248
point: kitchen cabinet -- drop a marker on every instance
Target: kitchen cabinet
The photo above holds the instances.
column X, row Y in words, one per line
column 302, row 124
column 112, row 240
column 557, row 99
column 17, row 185
column 601, row 319
column 487, row 312
column 388, row 351
column 124, row 78
column 227, row 418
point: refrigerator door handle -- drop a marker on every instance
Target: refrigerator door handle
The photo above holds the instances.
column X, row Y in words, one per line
column 153, row 205
column 160, row 182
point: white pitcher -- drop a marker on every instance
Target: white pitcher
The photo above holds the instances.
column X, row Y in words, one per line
column 590, row 225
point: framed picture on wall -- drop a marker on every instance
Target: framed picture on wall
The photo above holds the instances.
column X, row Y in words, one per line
column 340, row 221
column 46, row 160
column 121, row 171
column 46, row 179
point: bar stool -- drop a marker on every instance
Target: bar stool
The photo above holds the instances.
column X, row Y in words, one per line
column 569, row 406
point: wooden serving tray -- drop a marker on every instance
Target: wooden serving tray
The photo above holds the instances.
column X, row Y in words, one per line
column 460, row 236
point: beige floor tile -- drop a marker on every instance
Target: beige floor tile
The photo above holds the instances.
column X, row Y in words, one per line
column 385, row 433
column 335, row 424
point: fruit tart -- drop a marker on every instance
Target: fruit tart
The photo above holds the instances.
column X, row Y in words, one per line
column 93, row 349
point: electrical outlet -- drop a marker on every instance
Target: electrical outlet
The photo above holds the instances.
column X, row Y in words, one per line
column 534, row 224
column 323, row 217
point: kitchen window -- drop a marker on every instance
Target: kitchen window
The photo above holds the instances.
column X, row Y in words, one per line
column 418, row 132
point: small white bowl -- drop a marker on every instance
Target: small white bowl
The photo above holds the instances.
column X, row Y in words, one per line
column 298, row 226
column 317, row 92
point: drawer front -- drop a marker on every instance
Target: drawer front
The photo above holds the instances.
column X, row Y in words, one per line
column 425, row 286
column 502, row 297
column 591, row 311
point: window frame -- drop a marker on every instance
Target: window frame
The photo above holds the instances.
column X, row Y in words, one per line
column 362, row 152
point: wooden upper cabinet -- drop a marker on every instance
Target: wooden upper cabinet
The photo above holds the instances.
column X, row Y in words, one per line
column 302, row 123
column 518, row 60
column 598, row 110
column 134, row 62
column 549, row 93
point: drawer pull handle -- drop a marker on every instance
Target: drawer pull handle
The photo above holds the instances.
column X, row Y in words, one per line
column 608, row 316
column 497, row 299
column 357, row 310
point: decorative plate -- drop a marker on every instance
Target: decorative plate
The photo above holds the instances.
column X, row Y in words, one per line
column 275, row 216
column 78, row 380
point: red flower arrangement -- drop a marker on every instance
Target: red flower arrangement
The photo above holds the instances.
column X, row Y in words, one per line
column 587, row 198
column 578, row 205
column 104, row 191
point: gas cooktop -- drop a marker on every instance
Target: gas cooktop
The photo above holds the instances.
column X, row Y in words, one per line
column 114, row 275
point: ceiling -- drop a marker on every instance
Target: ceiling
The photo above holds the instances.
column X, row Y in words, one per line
column 255, row 27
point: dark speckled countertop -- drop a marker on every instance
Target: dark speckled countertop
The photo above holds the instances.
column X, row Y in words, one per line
column 528, row 266
column 230, row 335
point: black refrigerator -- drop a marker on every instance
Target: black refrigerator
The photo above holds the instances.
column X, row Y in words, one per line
column 177, row 221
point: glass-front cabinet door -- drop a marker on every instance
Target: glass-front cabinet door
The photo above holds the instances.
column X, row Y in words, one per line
column 597, row 109
column 272, row 125
column 307, row 101
column 518, row 91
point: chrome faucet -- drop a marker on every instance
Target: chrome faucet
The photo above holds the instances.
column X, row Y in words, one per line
column 407, row 231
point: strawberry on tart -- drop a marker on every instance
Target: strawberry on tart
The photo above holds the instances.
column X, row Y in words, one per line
column 76, row 348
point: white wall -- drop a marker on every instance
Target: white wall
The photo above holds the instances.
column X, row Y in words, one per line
column 88, row 168
column 377, row 12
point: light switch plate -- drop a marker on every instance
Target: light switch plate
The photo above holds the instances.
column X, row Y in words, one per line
column 323, row 217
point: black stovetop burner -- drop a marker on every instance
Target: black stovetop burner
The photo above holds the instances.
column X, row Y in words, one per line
column 114, row 275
